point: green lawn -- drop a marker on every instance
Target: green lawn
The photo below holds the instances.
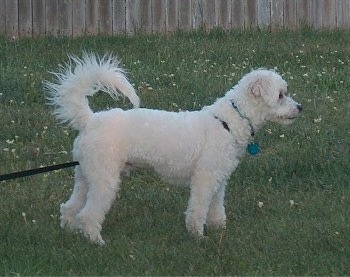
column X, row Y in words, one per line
column 288, row 208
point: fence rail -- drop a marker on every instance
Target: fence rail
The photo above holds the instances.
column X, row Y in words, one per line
column 37, row 18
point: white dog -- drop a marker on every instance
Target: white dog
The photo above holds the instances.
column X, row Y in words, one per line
column 200, row 148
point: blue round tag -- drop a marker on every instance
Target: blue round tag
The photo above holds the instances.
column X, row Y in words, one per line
column 253, row 148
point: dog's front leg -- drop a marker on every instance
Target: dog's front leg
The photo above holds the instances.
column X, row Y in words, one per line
column 216, row 215
column 204, row 186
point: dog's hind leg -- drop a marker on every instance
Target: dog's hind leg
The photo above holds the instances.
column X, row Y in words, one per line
column 103, row 187
column 77, row 200
column 216, row 214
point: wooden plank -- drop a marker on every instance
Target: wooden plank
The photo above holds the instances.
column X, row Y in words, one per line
column 78, row 18
column 250, row 15
column 65, row 27
column 91, row 17
column 303, row 10
column 132, row 8
column 198, row 14
column 139, row 16
column 172, row 15
column 224, row 8
column 210, row 14
column 264, row 13
column 2, row 17
column 105, row 12
column 51, row 17
column 146, row 16
column 39, row 20
column 119, row 17
column 159, row 16
column 342, row 15
column 290, row 14
column 11, row 22
column 25, row 26
column 185, row 11
column 238, row 14
column 329, row 13
column 277, row 14
column 316, row 13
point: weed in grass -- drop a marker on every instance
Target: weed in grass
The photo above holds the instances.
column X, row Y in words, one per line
column 287, row 208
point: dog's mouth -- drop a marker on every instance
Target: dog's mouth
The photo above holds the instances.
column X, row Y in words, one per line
column 291, row 118
column 285, row 120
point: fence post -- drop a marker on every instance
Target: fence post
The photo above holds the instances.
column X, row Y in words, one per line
column 78, row 21
column 238, row 14
column 264, row 14
column 119, row 17
column 39, row 17
column 11, row 18
column 25, row 26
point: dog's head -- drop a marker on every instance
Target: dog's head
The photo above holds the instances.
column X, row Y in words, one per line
column 268, row 91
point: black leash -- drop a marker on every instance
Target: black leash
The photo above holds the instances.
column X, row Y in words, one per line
column 34, row 171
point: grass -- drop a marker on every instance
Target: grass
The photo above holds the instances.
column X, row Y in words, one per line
column 288, row 208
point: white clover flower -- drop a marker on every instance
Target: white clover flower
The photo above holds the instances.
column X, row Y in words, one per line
column 318, row 119
column 330, row 99
column 260, row 204
column 24, row 217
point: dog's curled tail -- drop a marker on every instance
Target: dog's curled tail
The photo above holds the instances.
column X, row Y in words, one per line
column 84, row 77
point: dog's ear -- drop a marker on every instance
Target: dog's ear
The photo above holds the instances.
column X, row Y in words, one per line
column 258, row 87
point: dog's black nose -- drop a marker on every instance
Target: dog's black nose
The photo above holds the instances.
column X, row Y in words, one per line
column 300, row 108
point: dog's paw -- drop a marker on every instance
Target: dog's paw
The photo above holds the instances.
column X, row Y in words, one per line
column 96, row 238
column 93, row 236
column 68, row 223
column 195, row 229
column 217, row 223
column 68, row 219
column 90, row 229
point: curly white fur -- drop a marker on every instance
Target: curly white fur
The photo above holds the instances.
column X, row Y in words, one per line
column 186, row 148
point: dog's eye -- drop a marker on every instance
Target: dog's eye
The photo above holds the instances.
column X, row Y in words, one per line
column 281, row 95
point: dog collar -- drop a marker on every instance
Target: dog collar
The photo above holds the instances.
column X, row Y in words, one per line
column 224, row 124
column 252, row 132
column 253, row 148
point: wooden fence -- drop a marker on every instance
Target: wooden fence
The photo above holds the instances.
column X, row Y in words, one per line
column 37, row 18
